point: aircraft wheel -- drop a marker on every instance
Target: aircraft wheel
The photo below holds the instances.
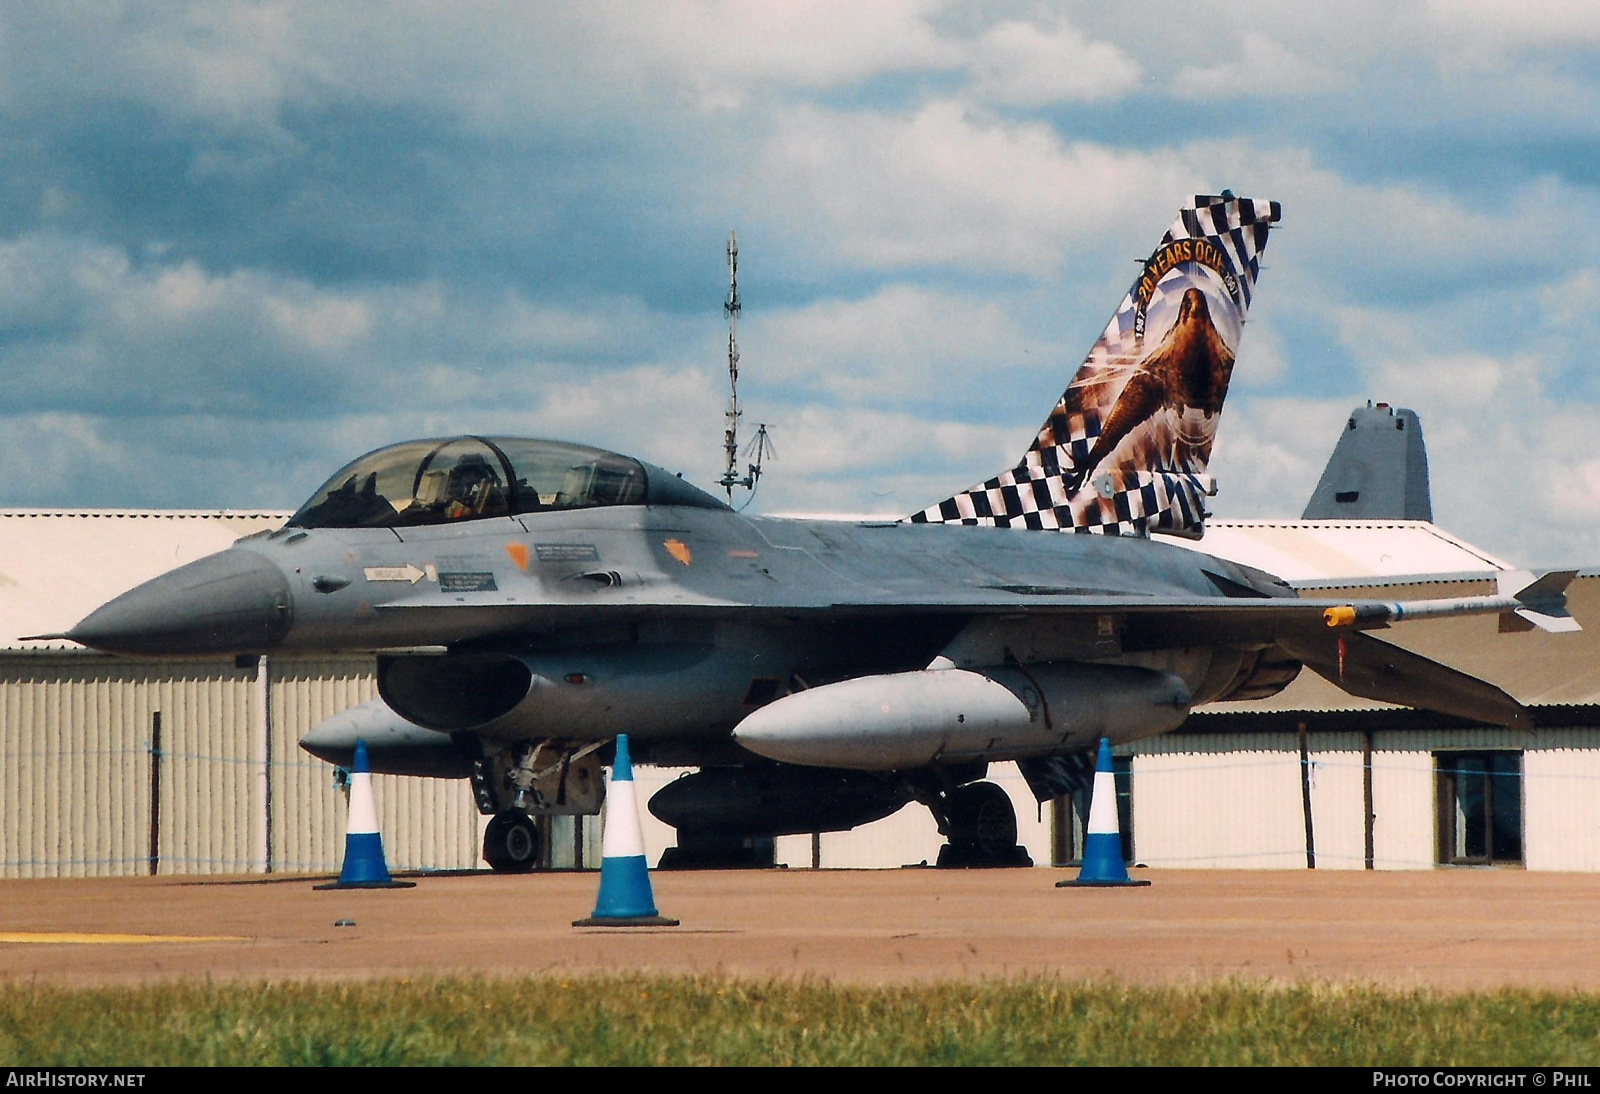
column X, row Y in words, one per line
column 983, row 819
column 511, row 843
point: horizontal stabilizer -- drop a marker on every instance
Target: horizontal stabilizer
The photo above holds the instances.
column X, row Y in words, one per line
column 1361, row 665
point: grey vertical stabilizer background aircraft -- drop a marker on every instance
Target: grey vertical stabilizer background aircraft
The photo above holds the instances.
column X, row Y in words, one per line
column 528, row 600
column 1379, row 469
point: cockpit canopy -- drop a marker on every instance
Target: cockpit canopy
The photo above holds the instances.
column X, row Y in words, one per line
column 467, row 478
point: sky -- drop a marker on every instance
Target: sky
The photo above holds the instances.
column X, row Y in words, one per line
column 243, row 243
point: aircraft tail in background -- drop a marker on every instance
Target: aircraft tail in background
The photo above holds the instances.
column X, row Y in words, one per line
column 1378, row 470
column 1125, row 450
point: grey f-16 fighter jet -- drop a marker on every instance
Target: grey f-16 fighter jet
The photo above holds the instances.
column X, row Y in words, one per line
column 528, row 600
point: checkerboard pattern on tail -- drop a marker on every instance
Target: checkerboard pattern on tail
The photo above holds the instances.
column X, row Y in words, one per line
column 1143, row 408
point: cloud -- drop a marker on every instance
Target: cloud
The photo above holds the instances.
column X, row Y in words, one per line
column 1270, row 452
column 85, row 329
column 494, row 66
column 863, row 460
column 1508, row 456
column 954, row 186
column 1263, row 358
column 1507, row 416
column 247, row 236
column 1557, row 22
column 1022, row 64
column 1264, row 67
column 891, row 346
column 729, row 47
column 232, row 64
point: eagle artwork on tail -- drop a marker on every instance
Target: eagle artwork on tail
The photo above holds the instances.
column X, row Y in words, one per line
column 1188, row 372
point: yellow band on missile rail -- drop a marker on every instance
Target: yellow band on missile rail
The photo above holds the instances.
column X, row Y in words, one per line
column 1342, row 616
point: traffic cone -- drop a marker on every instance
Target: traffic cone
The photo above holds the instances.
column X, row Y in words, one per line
column 1102, row 842
column 625, row 899
column 364, row 867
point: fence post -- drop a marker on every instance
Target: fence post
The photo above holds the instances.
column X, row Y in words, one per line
column 1305, row 797
column 262, row 852
column 155, row 792
column 1368, row 816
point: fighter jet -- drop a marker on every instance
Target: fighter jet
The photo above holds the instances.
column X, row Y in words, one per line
column 528, row 600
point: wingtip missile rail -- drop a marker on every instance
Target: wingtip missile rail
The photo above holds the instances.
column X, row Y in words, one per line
column 1539, row 601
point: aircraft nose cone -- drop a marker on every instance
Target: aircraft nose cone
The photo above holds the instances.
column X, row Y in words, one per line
column 232, row 602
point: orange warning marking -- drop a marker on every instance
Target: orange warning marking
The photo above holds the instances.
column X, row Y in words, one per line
column 678, row 550
column 519, row 555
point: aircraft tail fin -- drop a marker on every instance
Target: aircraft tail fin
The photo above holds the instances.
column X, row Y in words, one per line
column 1125, row 450
column 1378, row 470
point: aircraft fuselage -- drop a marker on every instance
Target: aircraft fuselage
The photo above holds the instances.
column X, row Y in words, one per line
column 669, row 623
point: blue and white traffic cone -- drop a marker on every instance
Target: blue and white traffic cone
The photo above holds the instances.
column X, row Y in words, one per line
column 364, row 867
column 625, row 899
column 1102, row 842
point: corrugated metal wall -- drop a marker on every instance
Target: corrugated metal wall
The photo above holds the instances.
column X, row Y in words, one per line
column 426, row 823
column 75, row 772
column 1233, row 800
column 1223, row 808
column 75, row 780
column 75, row 766
column 1561, row 801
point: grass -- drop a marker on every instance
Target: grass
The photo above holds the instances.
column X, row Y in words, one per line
column 710, row 1020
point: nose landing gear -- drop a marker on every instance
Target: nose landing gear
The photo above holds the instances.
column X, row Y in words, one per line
column 516, row 783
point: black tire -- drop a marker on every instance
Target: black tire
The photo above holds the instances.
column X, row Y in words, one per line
column 511, row 843
column 983, row 818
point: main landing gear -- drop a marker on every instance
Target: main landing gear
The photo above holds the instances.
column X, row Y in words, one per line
column 981, row 825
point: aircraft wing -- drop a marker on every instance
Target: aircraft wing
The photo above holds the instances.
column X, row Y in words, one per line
column 1163, row 619
column 1327, row 635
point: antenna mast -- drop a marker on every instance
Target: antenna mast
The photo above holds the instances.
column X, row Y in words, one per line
column 730, row 436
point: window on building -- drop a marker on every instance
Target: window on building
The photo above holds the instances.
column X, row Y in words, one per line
column 1479, row 807
column 1070, row 812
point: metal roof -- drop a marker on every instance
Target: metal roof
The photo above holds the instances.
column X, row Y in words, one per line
column 1303, row 552
column 58, row 565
